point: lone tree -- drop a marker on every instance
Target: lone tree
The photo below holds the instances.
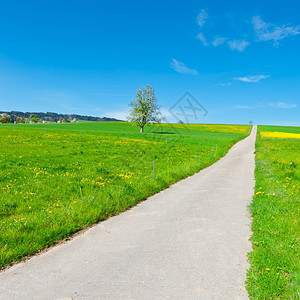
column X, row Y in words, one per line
column 145, row 109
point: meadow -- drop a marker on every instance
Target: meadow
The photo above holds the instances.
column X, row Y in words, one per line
column 56, row 179
column 275, row 260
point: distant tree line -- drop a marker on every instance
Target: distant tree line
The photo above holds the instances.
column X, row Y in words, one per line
column 22, row 117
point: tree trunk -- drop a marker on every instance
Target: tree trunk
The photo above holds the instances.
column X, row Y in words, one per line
column 142, row 129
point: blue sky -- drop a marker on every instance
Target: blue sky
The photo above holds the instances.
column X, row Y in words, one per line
column 239, row 59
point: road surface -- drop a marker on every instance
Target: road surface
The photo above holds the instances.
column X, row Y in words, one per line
column 189, row 241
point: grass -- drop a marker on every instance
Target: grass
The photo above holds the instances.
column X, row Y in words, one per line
column 275, row 260
column 56, row 179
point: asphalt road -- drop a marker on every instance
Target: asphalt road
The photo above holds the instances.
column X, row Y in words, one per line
column 190, row 241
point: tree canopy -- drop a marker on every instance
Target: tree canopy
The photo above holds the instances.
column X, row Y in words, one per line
column 5, row 118
column 145, row 109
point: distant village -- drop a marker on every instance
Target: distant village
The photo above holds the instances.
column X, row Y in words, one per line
column 18, row 117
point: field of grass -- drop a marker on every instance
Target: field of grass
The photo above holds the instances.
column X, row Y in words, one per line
column 275, row 260
column 59, row 178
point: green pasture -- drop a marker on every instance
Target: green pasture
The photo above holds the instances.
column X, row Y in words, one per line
column 56, row 179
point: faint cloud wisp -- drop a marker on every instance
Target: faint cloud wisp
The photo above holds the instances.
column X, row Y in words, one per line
column 202, row 17
column 269, row 32
column 238, row 45
column 243, row 107
column 180, row 67
column 263, row 32
column 225, row 84
column 279, row 105
column 219, row 41
column 254, row 78
column 283, row 105
column 201, row 37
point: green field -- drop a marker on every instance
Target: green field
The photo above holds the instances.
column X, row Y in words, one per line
column 275, row 260
column 59, row 178
column 287, row 129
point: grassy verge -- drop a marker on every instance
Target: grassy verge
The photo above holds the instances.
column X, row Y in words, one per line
column 275, row 260
column 56, row 179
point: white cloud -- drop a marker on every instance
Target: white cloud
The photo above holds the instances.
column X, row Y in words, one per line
column 180, row 67
column 283, row 105
column 202, row 17
column 238, row 45
column 202, row 38
column 254, row 78
column 269, row 32
column 219, row 41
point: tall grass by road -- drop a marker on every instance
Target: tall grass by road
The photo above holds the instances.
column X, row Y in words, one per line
column 275, row 260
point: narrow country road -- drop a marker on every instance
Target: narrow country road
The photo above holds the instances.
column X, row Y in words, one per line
column 190, row 241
